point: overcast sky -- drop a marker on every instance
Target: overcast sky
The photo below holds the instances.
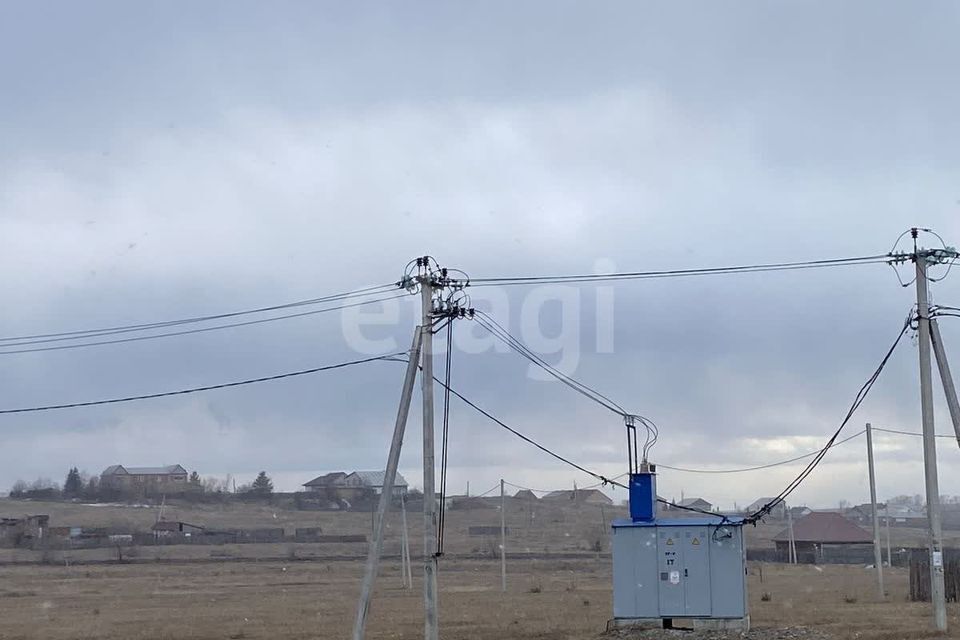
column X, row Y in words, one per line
column 163, row 160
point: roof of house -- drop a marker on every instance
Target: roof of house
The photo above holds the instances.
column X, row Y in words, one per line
column 579, row 494
column 327, row 480
column 820, row 526
column 689, row 502
column 525, row 494
column 119, row 469
column 760, row 503
column 376, row 478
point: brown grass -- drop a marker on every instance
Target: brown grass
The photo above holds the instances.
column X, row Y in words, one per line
column 311, row 600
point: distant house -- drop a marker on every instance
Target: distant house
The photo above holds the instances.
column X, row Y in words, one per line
column 326, row 481
column 349, row 485
column 799, row 512
column 374, row 480
column 583, row 496
column 778, row 511
column 816, row 533
column 904, row 516
column 693, row 503
column 863, row 513
column 147, row 479
column 525, row 494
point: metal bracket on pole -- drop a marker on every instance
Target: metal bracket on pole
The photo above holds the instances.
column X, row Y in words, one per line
column 393, row 459
column 949, row 390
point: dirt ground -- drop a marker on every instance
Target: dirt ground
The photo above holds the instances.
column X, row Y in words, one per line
column 545, row 600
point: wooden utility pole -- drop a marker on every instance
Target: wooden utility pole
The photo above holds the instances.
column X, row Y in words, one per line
column 877, row 554
column 389, row 476
column 503, row 537
column 431, row 627
column 937, row 590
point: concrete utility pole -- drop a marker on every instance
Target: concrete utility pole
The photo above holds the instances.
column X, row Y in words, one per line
column 949, row 390
column 503, row 537
column 791, row 544
column 390, row 475
column 877, row 554
column 405, row 569
column 886, row 518
column 937, row 591
column 431, row 627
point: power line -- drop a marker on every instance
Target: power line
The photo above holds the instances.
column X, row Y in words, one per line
column 858, row 400
column 199, row 330
column 224, row 385
column 674, row 273
column 914, row 433
column 762, row 466
column 497, row 330
column 603, row 479
column 89, row 333
column 488, row 491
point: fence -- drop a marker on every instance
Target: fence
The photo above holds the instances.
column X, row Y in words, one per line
column 920, row 574
column 238, row 536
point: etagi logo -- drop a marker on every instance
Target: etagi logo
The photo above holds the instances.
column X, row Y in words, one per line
column 558, row 322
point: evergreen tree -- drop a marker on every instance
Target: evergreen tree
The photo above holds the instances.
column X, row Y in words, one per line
column 73, row 484
column 262, row 485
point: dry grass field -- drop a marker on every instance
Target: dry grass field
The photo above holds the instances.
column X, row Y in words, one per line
column 545, row 600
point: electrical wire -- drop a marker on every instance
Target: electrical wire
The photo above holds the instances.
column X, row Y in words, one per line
column 762, row 466
column 603, row 480
column 445, row 440
column 212, row 387
column 673, row 273
column 88, row 333
column 501, row 333
column 497, row 330
column 488, row 491
column 913, row 433
column 184, row 332
column 858, row 400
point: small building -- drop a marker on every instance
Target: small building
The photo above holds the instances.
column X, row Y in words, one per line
column 167, row 527
column 823, row 535
column 799, row 512
column 23, row 532
column 144, row 479
column 693, row 503
column 526, row 495
column 579, row 496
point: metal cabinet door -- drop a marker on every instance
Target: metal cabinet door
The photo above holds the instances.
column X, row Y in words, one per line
column 695, row 575
column 670, row 568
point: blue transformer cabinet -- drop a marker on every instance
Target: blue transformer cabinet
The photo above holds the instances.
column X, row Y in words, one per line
column 666, row 569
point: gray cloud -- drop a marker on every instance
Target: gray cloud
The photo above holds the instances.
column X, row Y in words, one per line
column 163, row 162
